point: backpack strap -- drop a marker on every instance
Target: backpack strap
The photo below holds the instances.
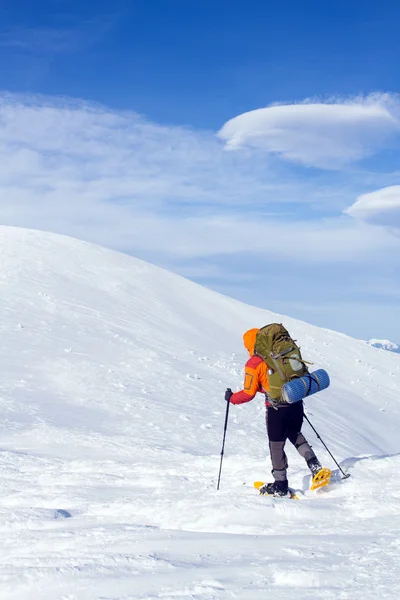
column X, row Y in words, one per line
column 273, row 356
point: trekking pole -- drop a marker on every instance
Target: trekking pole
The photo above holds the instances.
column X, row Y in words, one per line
column 345, row 475
column 223, row 441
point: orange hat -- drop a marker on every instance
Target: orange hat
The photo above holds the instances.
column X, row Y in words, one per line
column 249, row 340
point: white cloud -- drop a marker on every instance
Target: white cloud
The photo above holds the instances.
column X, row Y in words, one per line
column 327, row 135
column 381, row 207
column 174, row 196
column 162, row 193
column 332, row 241
column 63, row 150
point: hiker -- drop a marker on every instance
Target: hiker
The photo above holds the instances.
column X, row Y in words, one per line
column 283, row 420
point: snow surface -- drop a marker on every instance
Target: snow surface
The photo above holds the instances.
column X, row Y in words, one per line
column 112, row 403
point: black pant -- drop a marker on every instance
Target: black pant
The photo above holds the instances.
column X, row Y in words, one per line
column 282, row 424
column 285, row 422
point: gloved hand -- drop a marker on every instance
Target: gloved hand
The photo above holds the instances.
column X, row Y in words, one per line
column 228, row 394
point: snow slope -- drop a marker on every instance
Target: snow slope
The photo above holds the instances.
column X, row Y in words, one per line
column 111, row 392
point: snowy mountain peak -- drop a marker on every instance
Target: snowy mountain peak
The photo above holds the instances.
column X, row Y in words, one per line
column 385, row 345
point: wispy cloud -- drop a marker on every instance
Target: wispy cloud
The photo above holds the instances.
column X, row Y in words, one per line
column 65, row 38
column 327, row 135
column 174, row 196
column 78, row 149
column 42, row 39
column 119, row 179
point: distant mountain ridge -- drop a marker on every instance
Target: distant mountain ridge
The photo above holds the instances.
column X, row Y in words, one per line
column 385, row 345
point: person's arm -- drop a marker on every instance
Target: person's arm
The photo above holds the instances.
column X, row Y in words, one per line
column 252, row 383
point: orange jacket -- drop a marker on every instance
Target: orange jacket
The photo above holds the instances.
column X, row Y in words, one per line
column 255, row 372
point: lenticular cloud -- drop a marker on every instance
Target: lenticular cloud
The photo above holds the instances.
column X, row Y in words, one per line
column 381, row 207
column 316, row 134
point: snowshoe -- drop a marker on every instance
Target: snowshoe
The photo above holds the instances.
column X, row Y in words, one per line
column 321, row 479
column 270, row 489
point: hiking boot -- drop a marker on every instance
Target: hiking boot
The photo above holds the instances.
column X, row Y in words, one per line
column 276, row 488
column 314, row 465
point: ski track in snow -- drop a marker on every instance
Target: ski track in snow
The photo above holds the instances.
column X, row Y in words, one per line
column 111, row 395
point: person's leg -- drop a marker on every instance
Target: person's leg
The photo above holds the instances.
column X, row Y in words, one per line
column 298, row 440
column 275, row 422
column 303, row 447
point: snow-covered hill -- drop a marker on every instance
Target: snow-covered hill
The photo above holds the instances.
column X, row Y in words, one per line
column 385, row 345
column 113, row 373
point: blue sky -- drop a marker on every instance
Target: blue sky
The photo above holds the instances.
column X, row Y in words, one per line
column 137, row 125
column 197, row 62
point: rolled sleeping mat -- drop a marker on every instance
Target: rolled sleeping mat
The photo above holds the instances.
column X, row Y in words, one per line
column 301, row 387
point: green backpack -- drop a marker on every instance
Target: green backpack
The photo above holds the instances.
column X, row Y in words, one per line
column 282, row 355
